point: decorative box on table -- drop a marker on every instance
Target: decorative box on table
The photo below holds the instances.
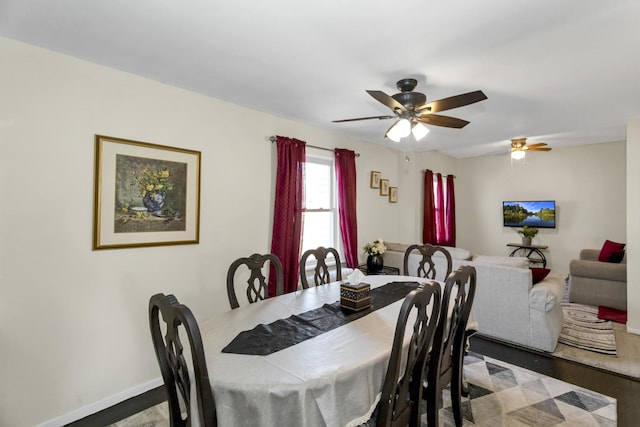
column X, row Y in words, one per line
column 355, row 297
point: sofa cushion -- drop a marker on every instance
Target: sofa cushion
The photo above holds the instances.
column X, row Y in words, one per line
column 519, row 262
column 538, row 274
column 396, row 247
column 611, row 251
column 458, row 253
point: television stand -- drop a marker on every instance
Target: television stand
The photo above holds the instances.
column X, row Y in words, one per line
column 529, row 251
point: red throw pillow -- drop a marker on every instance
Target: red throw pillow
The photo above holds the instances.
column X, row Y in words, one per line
column 538, row 273
column 611, row 251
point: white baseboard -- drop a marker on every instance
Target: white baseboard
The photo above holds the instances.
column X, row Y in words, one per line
column 102, row 404
column 633, row 331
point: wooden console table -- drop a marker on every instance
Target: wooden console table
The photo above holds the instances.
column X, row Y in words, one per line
column 530, row 250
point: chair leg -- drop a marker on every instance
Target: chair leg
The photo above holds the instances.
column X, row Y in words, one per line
column 456, row 402
column 432, row 396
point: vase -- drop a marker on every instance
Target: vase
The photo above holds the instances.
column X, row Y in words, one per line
column 154, row 201
column 526, row 241
column 374, row 263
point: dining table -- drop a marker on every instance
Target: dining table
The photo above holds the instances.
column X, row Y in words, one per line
column 271, row 366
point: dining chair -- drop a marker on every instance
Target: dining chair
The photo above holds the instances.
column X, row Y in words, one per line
column 257, row 281
column 321, row 272
column 426, row 265
column 402, row 388
column 173, row 364
column 445, row 361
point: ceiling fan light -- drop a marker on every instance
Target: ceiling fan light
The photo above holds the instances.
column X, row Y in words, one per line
column 419, row 131
column 517, row 154
column 399, row 130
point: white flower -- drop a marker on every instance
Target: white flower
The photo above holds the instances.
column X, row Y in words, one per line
column 376, row 247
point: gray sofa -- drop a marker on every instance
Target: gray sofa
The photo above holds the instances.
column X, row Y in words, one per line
column 594, row 282
column 507, row 305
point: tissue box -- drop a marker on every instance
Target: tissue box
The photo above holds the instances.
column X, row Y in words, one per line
column 355, row 297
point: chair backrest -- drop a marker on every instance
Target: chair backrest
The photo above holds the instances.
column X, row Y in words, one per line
column 173, row 365
column 402, row 391
column 449, row 340
column 321, row 273
column 257, row 282
column 426, row 266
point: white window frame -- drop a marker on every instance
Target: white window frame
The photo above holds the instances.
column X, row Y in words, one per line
column 333, row 197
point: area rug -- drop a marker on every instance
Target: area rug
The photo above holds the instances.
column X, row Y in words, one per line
column 583, row 329
column 500, row 394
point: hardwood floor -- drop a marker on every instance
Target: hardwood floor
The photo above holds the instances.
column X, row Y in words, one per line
column 624, row 389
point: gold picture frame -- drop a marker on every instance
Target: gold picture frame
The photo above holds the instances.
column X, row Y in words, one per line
column 393, row 194
column 375, row 179
column 384, row 187
column 144, row 194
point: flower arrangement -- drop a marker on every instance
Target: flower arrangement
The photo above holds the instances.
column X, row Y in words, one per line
column 152, row 180
column 376, row 247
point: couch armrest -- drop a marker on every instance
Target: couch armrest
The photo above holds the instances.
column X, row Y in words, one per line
column 598, row 270
column 547, row 294
column 590, row 254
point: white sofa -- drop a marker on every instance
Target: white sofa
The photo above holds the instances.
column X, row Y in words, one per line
column 507, row 305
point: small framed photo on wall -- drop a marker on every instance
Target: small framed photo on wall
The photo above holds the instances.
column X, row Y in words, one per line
column 393, row 194
column 384, row 187
column 375, row 179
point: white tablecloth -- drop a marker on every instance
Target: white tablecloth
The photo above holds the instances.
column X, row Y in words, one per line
column 333, row 379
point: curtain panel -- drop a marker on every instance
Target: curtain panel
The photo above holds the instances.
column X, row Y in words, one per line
column 346, row 183
column 429, row 215
column 286, row 239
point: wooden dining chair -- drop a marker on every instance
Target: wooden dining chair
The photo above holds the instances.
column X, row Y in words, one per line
column 426, row 265
column 445, row 361
column 173, row 365
column 257, row 281
column 321, row 272
column 402, row 389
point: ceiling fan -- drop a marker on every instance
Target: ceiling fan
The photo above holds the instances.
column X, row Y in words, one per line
column 519, row 147
column 413, row 111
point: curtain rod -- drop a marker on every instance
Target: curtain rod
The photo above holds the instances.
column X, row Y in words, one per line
column 273, row 139
column 424, row 170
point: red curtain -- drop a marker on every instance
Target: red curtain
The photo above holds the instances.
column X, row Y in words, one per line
column 346, row 182
column 439, row 225
column 450, row 214
column 429, row 222
column 440, row 228
column 287, row 212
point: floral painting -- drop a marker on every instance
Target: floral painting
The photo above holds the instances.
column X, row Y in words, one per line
column 150, row 195
column 145, row 194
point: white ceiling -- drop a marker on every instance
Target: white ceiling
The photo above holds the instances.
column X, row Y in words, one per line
column 563, row 72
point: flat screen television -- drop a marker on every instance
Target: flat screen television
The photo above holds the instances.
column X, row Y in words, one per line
column 534, row 213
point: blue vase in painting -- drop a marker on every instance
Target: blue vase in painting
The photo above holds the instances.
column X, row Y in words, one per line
column 154, row 201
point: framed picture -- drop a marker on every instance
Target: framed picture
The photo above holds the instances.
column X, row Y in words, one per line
column 384, row 187
column 393, row 194
column 375, row 179
column 144, row 194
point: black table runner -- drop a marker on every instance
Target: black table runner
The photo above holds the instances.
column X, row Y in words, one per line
column 266, row 339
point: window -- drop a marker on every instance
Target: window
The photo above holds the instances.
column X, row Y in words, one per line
column 321, row 214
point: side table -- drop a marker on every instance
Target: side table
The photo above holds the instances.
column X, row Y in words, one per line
column 383, row 271
column 529, row 251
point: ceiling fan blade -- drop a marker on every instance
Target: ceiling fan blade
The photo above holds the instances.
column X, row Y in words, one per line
column 538, row 148
column 363, row 118
column 538, row 144
column 446, row 121
column 387, row 100
column 453, row 102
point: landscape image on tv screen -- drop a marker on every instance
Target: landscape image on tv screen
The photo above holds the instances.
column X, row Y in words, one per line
column 541, row 214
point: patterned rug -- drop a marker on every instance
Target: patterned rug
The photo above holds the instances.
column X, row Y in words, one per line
column 583, row 329
column 500, row 394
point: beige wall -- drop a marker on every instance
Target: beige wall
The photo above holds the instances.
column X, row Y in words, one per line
column 633, row 226
column 587, row 182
